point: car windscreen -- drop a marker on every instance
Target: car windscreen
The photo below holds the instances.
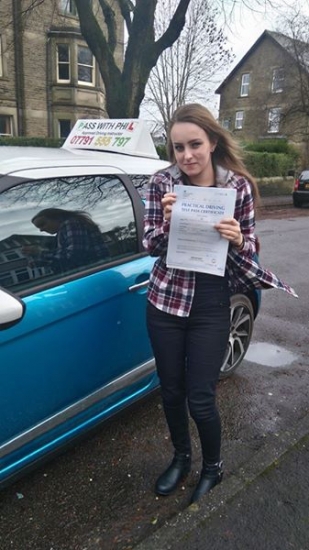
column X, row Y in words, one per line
column 304, row 175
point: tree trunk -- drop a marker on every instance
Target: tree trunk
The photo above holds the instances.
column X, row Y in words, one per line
column 125, row 89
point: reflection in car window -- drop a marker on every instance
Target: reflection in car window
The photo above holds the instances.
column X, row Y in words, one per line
column 62, row 226
column 140, row 183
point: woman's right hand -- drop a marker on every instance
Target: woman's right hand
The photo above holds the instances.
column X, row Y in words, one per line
column 167, row 203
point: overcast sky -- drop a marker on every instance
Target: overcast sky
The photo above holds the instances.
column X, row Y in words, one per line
column 248, row 25
column 245, row 27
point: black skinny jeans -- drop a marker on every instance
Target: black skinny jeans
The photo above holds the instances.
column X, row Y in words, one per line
column 189, row 352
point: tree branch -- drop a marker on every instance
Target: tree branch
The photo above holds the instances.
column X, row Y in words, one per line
column 174, row 29
column 109, row 17
column 96, row 41
column 126, row 9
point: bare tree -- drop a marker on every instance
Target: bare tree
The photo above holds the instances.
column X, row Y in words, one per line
column 125, row 86
column 124, row 81
column 295, row 109
column 185, row 71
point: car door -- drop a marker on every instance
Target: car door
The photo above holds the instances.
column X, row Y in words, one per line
column 81, row 351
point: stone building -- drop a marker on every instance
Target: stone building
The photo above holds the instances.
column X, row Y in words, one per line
column 48, row 76
column 267, row 94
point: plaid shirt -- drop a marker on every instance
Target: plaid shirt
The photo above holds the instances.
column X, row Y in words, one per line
column 77, row 244
column 172, row 290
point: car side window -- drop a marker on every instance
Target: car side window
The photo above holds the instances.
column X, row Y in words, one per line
column 62, row 226
column 140, row 183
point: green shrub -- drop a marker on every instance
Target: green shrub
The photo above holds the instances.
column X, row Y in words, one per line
column 161, row 150
column 265, row 165
column 32, row 142
column 271, row 146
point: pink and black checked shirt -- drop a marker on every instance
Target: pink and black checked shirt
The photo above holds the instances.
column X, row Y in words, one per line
column 172, row 290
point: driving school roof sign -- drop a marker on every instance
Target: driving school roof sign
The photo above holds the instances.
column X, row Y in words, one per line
column 126, row 136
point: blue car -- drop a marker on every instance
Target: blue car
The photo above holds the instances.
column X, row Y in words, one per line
column 74, row 348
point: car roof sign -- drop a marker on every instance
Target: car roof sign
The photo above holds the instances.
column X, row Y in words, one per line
column 126, row 136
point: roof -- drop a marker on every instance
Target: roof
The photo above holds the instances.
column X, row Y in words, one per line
column 287, row 43
column 31, row 162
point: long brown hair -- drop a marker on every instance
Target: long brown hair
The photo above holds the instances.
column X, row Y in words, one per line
column 227, row 153
column 61, row 215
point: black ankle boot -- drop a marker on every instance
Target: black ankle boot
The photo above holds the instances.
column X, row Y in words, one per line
column 210, row 477
column 175, row 473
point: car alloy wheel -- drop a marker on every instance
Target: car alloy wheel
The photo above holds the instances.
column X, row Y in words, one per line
column 242, row 319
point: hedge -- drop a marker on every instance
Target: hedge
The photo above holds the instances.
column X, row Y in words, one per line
column 260, row 164
column 263, row 165
column 32, row 142
column 269, row 146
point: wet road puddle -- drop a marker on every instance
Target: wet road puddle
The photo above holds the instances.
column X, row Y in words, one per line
column 269, row 355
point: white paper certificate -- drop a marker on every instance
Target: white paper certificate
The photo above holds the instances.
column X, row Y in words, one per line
column 194, row 244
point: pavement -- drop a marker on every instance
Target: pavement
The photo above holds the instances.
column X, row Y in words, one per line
column 262, row 506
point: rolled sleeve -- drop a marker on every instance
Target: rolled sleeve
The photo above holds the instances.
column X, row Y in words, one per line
column 244, row 214
column 156, row 228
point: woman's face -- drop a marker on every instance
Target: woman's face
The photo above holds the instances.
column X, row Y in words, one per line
column 47, row 225
column 192, row 150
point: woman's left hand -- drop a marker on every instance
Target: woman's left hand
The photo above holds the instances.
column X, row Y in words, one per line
column 229, row 229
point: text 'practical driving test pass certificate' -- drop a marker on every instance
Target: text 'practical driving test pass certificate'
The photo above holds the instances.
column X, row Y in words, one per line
column 194, row 244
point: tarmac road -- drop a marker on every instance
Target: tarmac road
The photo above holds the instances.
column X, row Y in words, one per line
column 99, row 495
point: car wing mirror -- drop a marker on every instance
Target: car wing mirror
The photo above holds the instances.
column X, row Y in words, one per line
column 12, row 309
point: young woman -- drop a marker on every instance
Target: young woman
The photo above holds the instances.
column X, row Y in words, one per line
column 79, row 241
column 188, row 313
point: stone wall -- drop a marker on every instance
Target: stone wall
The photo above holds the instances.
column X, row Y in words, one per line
column 29, row 91
column 275, row 186
column 260, row 63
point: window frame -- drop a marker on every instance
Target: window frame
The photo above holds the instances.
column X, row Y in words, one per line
column 68, row 7
column 226, row 123
column 10, row 123
column 244, row 86
column 239, row 119
column 137, row 217
column 85, row 82
column 59, row 121
column 68, row 63
column 273, row 126
column 277, row 80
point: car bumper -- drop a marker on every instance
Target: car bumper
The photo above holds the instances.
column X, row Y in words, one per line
column 300, row 197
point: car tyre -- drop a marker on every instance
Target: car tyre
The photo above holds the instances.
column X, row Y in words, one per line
column 242, row 320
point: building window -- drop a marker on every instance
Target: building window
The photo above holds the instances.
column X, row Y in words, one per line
column 6, row 125
column 277, row 81
column 67, row 7
column 85, row 62
column 63, row 63
column 274, row 116
column 1, row 60
column 64, row 128
column 12, row 255
column 239, row 120
column 245, row 82
column 226, row 123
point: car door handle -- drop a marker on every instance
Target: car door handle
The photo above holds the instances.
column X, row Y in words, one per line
column 138, row 286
